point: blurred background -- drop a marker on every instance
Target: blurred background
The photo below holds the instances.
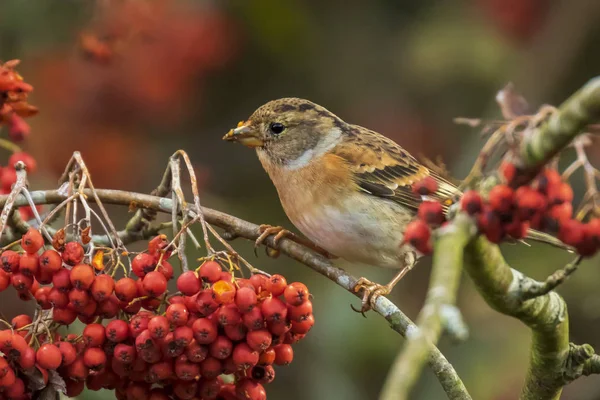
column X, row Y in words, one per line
column 403, row 68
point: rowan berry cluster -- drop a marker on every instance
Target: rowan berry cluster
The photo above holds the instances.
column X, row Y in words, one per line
column 13, row 109
column 546, row 204
column 218, row 337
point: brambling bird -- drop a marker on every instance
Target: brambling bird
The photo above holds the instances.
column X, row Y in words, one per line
column 345, row 187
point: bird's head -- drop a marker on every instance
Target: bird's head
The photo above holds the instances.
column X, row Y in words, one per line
column 289, row 131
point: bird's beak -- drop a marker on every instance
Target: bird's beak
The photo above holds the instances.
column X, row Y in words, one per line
column 244, row 135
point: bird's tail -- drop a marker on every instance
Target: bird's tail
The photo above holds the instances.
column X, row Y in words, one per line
column 541, row 237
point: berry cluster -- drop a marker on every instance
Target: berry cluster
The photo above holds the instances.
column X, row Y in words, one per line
column 13, row 109
column 546, row 204
column 218, row 337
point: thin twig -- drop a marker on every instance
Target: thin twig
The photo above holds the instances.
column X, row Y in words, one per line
column 535, row 289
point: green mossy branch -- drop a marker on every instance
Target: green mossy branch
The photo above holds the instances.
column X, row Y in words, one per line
column 578, row 111
column 448, row 252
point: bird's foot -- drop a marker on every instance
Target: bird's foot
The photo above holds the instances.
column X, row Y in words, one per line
column 371, row 291
column 268, row 230
column 280, row 233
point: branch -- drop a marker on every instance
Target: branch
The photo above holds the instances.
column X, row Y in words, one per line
column 502, row 288
column 236, row 227
column 581, row 109
column 535, row 289
column 445, row 276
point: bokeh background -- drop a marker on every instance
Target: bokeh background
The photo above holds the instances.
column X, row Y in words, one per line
column 403, row 68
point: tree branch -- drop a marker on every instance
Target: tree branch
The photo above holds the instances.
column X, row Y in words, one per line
column 445, row 276
column 399, row 322
column 579, row 110
column 502, row 288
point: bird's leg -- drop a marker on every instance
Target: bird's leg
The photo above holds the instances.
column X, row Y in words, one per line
column 280, row 233
column 371, row 290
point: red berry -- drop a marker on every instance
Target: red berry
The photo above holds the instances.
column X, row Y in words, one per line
column 209, row 388
column 62, row 280
column 126, row 289
column 517, row 229
column 188, row 283
column 4, row 280
column 16, row 390
column 247, row 389
column 559, row 194
column 221, row 348
column 302, row 327
column 32, row 241
column 94, row 358
column 185, row 390
column 64, row 316
column 276, row 284
column 235, row 332
column 432, row 212
column 79, row 298
column 73, row 253
column 186, row 371
column 138, row 324
column 158, row 327
column 571, row 232
column 28, row 264
column 94, row 335
column 155, row 283
column 273, row 310
column 21, row 282
column 68, row 353
column 508, row 171
column 253, row 319
column 501, row 198
column 206, row 302
column 102, row 287
column 211, row 368
column 10, row 261
column 50, row 260
column 245, row 299
column 177, row 314
column 166, row 269
column 196, row 352
column 546, row 180
column 124, row 353
column 593, row 230
column 82, row 276
column 301, row 312
column 210, row 271
column 259, row 281
column 283, row 354
column 296, row 293
column 490, row 224
column 556, row 214
column 418, row 235
column 142, row 264
column 48, row 356
column 425, row 187
column 529, row 202
column 229, row 315
column 117, row 330
column 244, row 356
column 205, row 331
column 267, row 358
column 259, row 340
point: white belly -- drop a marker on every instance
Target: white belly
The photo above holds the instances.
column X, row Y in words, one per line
column 363, row 230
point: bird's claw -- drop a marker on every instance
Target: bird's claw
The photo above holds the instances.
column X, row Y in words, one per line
column 280, row 233
column 268, row 230
column 371, row 291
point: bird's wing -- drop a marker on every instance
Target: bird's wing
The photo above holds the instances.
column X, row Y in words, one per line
column 382, row 168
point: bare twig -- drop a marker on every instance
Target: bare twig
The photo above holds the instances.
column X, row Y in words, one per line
column 534, row 289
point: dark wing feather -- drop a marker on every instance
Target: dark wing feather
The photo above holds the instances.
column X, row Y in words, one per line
column 382, row 168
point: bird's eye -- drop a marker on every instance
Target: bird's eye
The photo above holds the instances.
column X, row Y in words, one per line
column 276, row 128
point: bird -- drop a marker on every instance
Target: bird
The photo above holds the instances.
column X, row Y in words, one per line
column 346, row 188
